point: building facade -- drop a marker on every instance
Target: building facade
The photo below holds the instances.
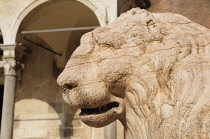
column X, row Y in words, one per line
column 37, row 37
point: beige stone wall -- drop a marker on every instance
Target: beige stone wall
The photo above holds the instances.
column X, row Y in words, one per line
column 38, row 108
column 196, row 10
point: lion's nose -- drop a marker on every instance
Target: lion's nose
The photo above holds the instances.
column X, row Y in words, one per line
column 67, row 81
column 69, row 86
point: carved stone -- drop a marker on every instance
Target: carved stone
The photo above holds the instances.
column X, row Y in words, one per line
column 151, row 71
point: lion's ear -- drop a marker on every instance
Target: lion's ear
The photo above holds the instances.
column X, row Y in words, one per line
column 87, row 38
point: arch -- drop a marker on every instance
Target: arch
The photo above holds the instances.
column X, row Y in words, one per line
column 32, row 6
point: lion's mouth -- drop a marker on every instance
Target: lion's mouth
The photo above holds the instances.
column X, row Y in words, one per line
column 99, row 110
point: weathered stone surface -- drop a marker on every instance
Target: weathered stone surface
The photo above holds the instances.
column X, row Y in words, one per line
column 149, row 70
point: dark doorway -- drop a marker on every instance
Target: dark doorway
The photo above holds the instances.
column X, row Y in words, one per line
column 1, row 100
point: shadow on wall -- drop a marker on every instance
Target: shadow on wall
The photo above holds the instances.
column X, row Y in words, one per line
column 1, row 38
column 1, row 86
column 39, row 103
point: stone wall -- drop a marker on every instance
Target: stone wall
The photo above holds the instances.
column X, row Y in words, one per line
column 196, row 10
column 39, row 107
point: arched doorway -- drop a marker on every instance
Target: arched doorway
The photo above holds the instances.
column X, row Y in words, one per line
column 45, row 33
column 64, row 14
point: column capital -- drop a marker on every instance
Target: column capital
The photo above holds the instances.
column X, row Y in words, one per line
column 10, row 67
column 9, row 61
column 9, row 51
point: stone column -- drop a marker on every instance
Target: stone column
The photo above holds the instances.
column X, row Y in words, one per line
column 9, row 65
column 8, row 103
column 110, row 131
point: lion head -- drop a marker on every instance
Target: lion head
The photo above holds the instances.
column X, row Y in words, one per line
column 151, row 71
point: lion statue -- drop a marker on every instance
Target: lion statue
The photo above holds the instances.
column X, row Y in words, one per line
column 151, row 71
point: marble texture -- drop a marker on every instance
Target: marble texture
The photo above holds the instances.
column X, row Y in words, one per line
column 151, row 71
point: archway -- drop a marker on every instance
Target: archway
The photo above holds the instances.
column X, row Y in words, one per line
column 38, row 4
column 45, row 58
column 70, row 15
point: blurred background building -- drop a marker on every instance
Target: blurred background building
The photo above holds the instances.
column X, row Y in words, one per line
column 37, row 37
